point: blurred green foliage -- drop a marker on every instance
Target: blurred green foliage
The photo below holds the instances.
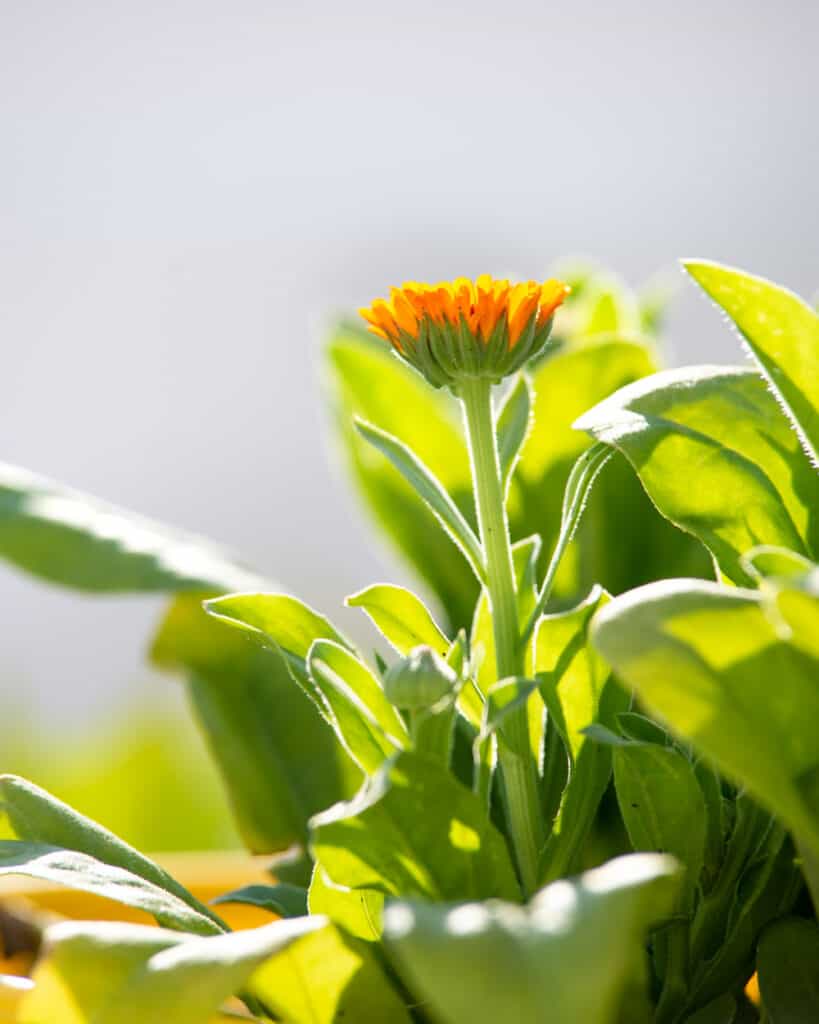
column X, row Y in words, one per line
column 144, row 774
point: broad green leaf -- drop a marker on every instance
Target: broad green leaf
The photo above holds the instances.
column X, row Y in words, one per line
column 571, row 955
column 709, row 661
column 368, row 381
column 282, row 899
column 721, row 1011
column 429, row 489
column 278, row 620
column 40, row 836
column 401, row 617
column 760, row 890
column 79, row 541
column 578, row 692
column 414, row 830
column 357, row 911
column 514, row 421
column 363, row 683
column 335, row 672
column 790, row 585
column 662, row 805
column 788, row 965
column 283, row 624
column 345, row 691
column 622, row 540
column 782, row 332
column 280, row 761
column 717, row 457
column 129, row 974
column 81, row 872
column 328, row 978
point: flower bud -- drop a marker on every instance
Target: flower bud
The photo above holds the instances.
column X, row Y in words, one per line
column 419, row 680
column 459, row 330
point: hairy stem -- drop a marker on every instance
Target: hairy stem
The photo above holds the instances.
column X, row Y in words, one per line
column 518, row 774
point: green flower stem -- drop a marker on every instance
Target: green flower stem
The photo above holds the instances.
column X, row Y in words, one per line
column 519, row 775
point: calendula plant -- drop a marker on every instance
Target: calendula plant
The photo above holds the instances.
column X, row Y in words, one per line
column 487, row 823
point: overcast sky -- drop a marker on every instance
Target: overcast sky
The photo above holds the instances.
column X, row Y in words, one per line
column 187, row 188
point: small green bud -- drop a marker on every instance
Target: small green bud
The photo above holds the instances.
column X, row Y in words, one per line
column 419, row 680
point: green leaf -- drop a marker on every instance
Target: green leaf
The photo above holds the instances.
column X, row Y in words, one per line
column 401, row 617
column 280, row 761
column 368, row 381
column 577, row 690
column 788, row 965
column 414, row 830
column 663, row 806
column 622, row 540
column 709, row 661
column 429, row 489
column 720, row 1011
column 129, row 974
column 357, row 911
column 514, row 421
column 790, row 585
column 781, row 331
column 717, row 457
column 87, row 874
column 281, row 899
column 40, row 835
column 328, row 978
column 502, row 701
column 67, row 537
column 753, row 891
column 345, row 691
column 277, row 620
column 571, row 955
column 353, row 698
column 363, row 684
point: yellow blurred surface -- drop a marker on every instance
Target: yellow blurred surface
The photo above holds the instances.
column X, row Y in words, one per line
column 206, row 875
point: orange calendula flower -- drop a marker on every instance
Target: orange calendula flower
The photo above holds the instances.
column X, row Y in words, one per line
column 463, row 328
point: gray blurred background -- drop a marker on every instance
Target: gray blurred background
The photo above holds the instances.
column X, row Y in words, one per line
column 189, row 189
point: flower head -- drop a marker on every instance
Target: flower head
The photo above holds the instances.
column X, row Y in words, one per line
column 452, row 330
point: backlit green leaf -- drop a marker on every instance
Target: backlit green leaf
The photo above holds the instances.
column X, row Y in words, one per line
column 328, row 978
column 718, row 458
column 87, row 874
column 577, row 691
column 357, row 911
column 129, row 974
column 781, row 331
column 709, row 660
column 368, row 381
column 279, row 759
column 429, row 489
column 334, row 671
column 622, row 540
column 571, row 955
column 67, row 537
column 401, row 617
column 40, row 834
column 514, row 421
column 414, row 830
